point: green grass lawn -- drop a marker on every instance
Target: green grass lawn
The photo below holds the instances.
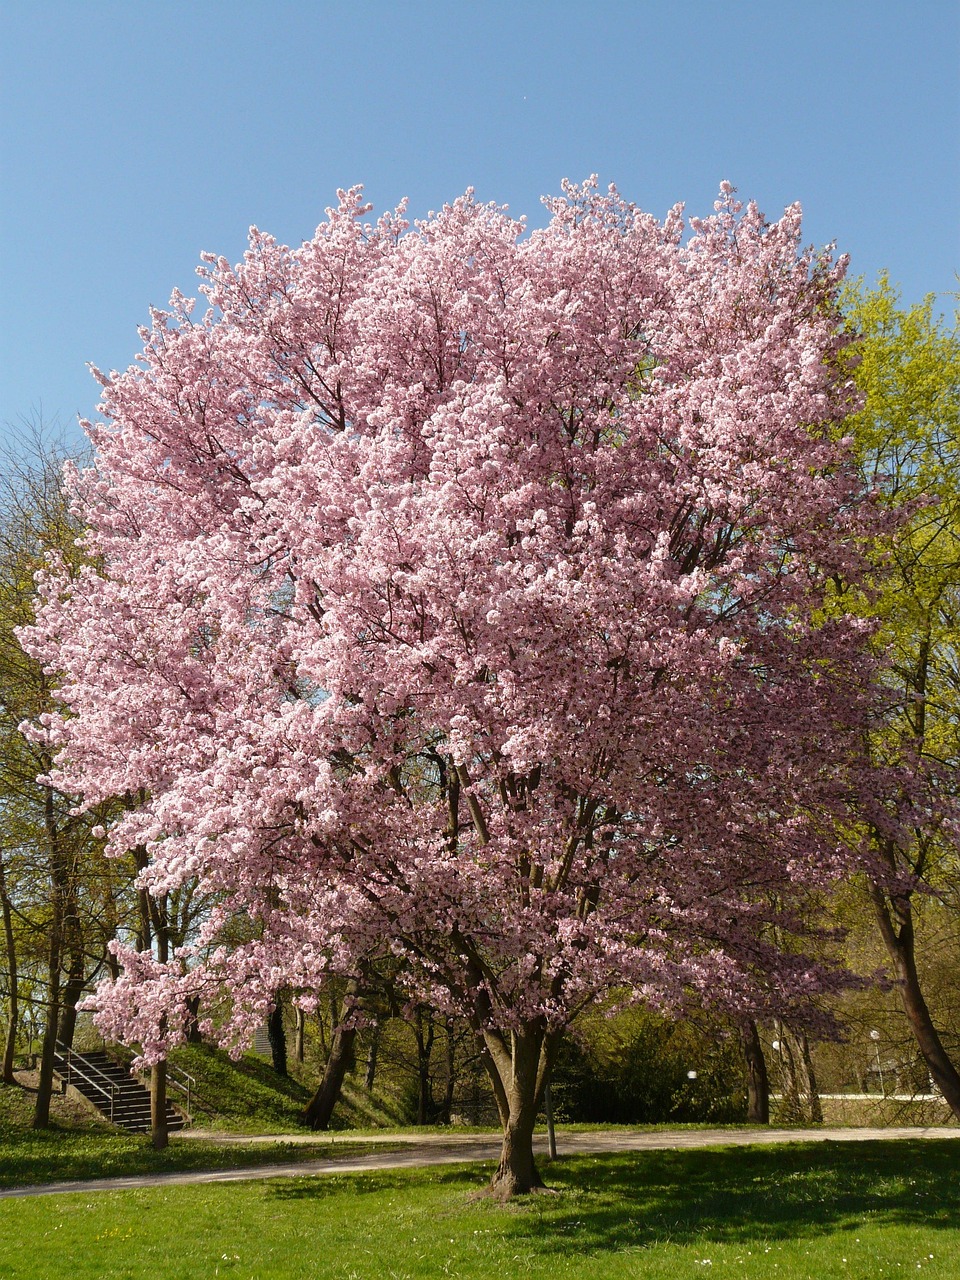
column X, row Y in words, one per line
column 28, row 1157
column 861, row 1210
column 242, row 1096
column 82, row 1147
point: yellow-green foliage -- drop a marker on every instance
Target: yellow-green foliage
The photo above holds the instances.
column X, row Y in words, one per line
column 907, row 438
column 908, row 446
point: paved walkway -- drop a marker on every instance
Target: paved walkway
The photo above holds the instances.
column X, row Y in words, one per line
column 440, row 1148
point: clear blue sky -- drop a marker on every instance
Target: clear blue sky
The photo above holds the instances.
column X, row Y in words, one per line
column 134, row 136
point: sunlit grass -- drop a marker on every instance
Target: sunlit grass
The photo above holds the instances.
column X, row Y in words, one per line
column 29, row 1157
column 865, row 1210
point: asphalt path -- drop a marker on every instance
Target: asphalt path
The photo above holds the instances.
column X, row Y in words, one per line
column 419, row 1150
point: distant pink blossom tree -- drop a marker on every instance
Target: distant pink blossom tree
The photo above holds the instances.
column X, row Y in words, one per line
column 454, row 594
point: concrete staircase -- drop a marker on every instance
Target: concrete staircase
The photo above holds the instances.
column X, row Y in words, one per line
column 117, row 1095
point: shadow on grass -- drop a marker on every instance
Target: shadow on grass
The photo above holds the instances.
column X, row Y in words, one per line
column 220, row 1074
column 731, row 1195
column 396, row 1181
column 33, row 1157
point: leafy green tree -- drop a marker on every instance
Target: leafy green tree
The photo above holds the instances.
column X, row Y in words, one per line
column 908, row 441
column 62, row 902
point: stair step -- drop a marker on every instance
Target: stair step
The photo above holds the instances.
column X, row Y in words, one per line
column 130, row 1101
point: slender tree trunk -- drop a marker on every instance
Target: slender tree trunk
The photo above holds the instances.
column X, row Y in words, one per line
column 278, row 1037
column 789, row 1084
column 158, row 917
column 48, row 1048
column 800, row 1092
column 758, row 1084
column 298, row 1033
column 158, row 1105
column 809, row 1077
column 450, row 1079
column 900, row 944
column 72, row 991
column 424, row 1033
column 551, row 1131
column 58, row 888
column 13, row 994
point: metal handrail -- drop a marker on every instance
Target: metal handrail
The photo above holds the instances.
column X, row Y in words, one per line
column 111, row 1091
column 186, row 1084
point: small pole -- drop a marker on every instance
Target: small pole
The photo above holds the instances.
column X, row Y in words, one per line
column 551, row 1132
column 875, row 1037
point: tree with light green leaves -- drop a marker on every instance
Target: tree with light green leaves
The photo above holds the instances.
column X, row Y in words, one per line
column 61, row 901
column 907, row 437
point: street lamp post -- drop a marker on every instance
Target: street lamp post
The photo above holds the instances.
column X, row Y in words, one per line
column 875, row 1037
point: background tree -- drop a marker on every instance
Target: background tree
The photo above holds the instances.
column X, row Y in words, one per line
column 908, row 445
column 57, row 889
column 452, row 598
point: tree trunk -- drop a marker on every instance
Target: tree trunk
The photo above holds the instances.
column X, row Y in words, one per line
column 792, row 1109
column 758, row 1084
column 58, row 887
column 319, row 1109
column 809, row 1077
column 41, row 1108
column 158, row 1105
column 194, row 1035
column 900, row 944
column 424, row 1033
column 450, row 1079
column 551, row 1131
column 13, row 995
column 277, row 1037
column 519, row 1071
column 72, row 991
column 298, row 1034
column 517, row 1172
column 159, row 918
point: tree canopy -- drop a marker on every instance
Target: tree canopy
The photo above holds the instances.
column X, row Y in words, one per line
column 454, row 593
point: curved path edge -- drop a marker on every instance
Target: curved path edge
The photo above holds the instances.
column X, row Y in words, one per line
column 437, row 1149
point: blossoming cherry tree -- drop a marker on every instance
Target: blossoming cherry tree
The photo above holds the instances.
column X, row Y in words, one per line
column 453, row 595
